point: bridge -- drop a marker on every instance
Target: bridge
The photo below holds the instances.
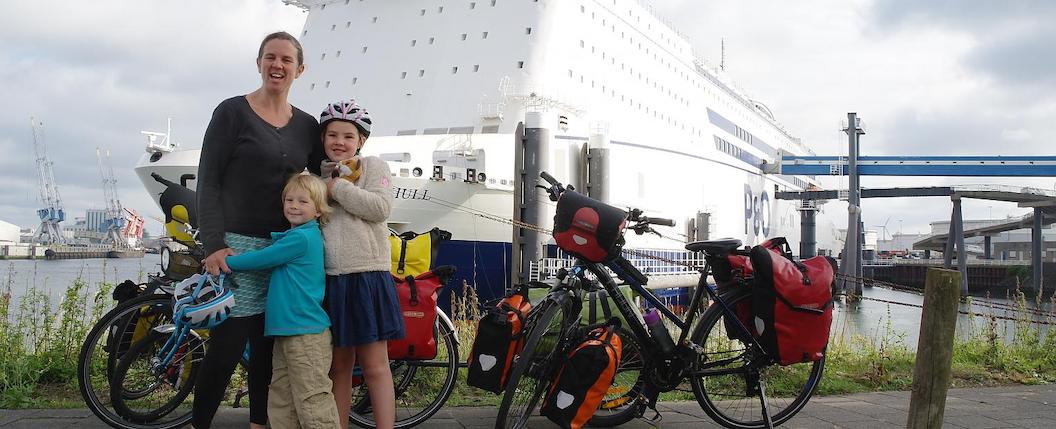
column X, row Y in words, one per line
column 1042, row 201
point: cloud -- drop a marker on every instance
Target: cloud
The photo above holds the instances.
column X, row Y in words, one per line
column 99, row 72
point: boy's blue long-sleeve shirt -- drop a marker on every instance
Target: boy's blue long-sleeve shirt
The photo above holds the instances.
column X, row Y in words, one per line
column 298, row 282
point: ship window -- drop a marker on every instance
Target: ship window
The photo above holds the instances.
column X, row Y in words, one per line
column 406, row 132
column 472, row 5
column 582, row 44
column 423, row 12
column 354, row 80
column 582, row 9
column 333, row 27
column 311, row 87
column 374, row 20
column 484, row 35
column 493, row 3
column 520, row 64
column 489, row 129
column 440, row 9
column 421, row 72
column 348, row 24
column 431, row 40
column 322, row 7
column 528, row 30
column 339, row 54
column 403, row 75
column 476, row 67
column 454, row 69
column 413, row 42
column 464, row 36
column 364, row 49
column 322, row 57
column 327, row 84
column 404, row 172
column 569, row 72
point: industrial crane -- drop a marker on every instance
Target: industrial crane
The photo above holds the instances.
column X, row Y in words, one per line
column 49, row 231
column 114, row 223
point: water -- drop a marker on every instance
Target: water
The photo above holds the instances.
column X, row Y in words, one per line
column 877, row 320
column 54, row 277
column 871, row 319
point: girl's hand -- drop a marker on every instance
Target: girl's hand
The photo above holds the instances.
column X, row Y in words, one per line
column 217, row 261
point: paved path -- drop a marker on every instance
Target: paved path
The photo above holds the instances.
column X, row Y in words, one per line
column 998, row 407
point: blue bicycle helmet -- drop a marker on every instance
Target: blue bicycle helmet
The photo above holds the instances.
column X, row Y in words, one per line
column 202, row 302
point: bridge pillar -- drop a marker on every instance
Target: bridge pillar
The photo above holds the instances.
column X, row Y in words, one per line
column 955, row 244
column 1036, row 241
column 808, row 241
column 987, row 248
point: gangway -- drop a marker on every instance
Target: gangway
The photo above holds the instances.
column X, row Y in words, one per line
column 853, row 166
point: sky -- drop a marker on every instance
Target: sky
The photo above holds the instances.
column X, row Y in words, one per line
column 942, row 77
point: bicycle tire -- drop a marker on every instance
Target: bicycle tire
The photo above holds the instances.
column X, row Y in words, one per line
column 532, row 368
column 623, row 401
column 165, row 389
column 98, row 357
column 726, row 397
column 422, row 387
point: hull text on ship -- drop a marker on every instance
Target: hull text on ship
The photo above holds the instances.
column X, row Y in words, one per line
column 410, row 194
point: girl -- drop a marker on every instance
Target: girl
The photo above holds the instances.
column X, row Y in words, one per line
column 360, row 294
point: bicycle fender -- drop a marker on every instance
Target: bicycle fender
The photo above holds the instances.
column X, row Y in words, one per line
column 442, row 317
column 169, row 328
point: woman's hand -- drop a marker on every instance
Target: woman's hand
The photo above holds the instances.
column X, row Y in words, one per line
column 217, row 261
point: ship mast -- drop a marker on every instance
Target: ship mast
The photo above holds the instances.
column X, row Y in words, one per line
column 49, row 231
column 115, row 215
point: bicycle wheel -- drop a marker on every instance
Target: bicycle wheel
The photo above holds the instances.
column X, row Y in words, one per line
column 156, row 391
column 109, row 339
column 422, row 386
column 532, row 369
column 725, row 384
column 623, row 401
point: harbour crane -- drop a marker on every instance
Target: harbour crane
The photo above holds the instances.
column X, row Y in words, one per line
column 49, row 231
column 114, row 222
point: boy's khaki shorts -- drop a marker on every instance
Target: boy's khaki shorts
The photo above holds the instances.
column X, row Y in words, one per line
column 300, row 394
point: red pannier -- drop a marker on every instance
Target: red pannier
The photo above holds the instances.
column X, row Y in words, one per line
column 792, row 303
column 588, row 228
column 417, row 296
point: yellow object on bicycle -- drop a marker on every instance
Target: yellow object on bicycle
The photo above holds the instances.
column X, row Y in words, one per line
column 414, row 253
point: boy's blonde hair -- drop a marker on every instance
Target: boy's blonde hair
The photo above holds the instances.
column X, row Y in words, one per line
column 316, row 191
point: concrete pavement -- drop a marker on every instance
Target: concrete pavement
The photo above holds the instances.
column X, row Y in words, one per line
column 996, row 407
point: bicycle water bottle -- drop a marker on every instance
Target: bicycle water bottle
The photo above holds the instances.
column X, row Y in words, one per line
column 655, row 322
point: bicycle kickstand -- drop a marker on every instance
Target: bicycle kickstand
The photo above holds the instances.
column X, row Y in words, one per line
column 238, row 397
column 769, row 424
column 650, row 405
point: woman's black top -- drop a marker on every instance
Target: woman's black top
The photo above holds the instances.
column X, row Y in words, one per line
column 244, row 166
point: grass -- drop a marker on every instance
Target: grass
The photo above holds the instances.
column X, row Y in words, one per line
column 39, row 345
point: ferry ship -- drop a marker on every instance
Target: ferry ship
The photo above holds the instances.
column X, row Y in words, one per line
column 448, row 82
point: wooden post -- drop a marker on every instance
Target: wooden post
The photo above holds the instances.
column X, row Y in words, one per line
column 931, row 375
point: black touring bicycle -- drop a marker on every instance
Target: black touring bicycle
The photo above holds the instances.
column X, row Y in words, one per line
column 730, row 373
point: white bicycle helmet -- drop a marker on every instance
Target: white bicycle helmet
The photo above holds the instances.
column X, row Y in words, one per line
column 348, row 111
column 202, row 301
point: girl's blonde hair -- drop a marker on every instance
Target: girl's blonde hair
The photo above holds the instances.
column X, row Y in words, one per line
column 316, row 191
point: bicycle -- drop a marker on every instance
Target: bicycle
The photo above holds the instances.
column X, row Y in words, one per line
column 136, row 331
column 155, row 376
column 727, row 369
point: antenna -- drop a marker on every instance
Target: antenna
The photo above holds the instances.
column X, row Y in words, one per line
column 722, row 54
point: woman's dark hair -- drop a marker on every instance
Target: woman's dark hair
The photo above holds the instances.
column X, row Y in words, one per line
column 282, row 35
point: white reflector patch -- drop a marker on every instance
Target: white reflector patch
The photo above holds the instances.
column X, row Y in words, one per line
column 487, row 362
column 579, row 240
column 759, row 325
column 564, row 399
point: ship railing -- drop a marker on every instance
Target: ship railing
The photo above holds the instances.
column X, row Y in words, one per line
column 674, row 270
column 939, row 262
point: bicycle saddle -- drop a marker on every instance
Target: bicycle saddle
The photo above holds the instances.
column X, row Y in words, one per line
column 720, row 247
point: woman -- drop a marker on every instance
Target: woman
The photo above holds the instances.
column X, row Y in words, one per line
column 252, row 145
